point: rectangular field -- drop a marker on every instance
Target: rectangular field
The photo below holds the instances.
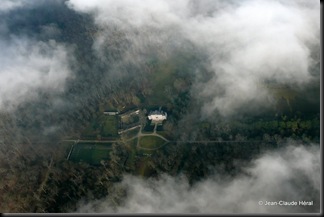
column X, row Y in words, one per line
column 91, row 153
column 110, row 126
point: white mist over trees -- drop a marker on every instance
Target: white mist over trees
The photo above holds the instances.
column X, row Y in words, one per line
column 247, row 42
column 291, row 174
column 63, row 60
column 28, row 67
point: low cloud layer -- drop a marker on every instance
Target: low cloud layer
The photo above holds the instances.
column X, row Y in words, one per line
column 245, row 43
column 289, row 175
column 248, row 42
column 252, row 43
column 7, row 5
column 28, row 67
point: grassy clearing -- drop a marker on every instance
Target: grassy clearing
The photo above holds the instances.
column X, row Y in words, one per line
column 151, row 142
column 161, row 78
column 166, row 72
column 110, row 126
column 91, row 153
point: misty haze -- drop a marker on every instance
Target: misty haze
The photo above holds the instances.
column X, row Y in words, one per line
column 160, row 106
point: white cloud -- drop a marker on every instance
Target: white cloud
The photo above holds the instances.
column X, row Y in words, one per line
column 254, row 42
column 7, row 5
column 291, row 174
column 247, row 41
column 28, row 66
column 136, row 13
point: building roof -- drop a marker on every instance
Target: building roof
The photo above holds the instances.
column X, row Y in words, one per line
column 157, row 115
column 111, row 112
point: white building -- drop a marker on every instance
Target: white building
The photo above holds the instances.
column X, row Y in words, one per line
column 157, row 116
column 111, row 113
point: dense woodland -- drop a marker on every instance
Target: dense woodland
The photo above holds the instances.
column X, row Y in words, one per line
column 35, row 175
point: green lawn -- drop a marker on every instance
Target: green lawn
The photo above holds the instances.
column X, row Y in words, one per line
column 179, row 65
column 81, row 152
column 110, row 126
column 162, row 77
column 91, row 153
column 151, row 142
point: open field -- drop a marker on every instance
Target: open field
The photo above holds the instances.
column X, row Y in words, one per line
column 161, row 78
column 91, row 153
column 109, row 126
column 151, row 142
column 170, row 76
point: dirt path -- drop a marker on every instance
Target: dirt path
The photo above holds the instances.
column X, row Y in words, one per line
column 41, row 186
column 85, row 141
column 141, row 134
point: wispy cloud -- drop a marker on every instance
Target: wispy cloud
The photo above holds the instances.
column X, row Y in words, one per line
column 28, row 66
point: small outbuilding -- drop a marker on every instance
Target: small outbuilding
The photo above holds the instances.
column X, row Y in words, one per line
column 111, row 113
